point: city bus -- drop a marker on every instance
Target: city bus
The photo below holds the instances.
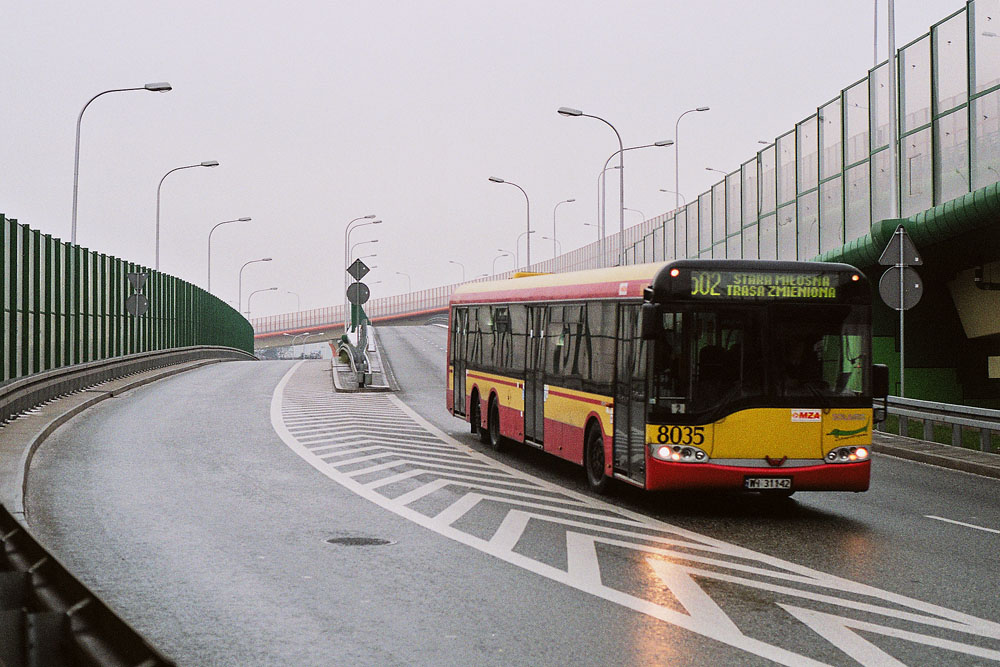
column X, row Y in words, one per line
column 690, row 374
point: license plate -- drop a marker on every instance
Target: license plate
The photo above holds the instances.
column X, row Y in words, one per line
column 757, row 483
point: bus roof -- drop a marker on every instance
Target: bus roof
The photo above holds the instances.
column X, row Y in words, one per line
column 625, row 282
column 617, row 282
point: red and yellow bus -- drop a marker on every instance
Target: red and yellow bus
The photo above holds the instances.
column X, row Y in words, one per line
column 691, row 374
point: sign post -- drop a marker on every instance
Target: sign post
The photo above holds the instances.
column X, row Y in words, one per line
column 900, row 286
column 357, row 292
column 136, row 304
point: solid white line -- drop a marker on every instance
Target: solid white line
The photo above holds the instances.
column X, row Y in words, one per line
column 960, row 523
column 435, row 324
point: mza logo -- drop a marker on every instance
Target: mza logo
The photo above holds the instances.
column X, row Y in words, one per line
column 806, row 416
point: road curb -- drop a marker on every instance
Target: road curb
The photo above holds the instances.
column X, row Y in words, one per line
column 936, row 454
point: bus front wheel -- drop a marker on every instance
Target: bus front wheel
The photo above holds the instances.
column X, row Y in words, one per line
column 593, row 460
column 493, row 426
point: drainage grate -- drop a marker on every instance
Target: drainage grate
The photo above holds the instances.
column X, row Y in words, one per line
column 360, row 541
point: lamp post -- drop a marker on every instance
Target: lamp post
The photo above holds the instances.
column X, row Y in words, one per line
column 451, row 261
column 527, row 203
column 209, row 270
column 595, row 226
column 298, row 300
column 503, row 253
column 239, row 300
column 266, row 289
column 641, row 214
column 161, row 87
column 409, row 281
column 517, row 248
column 564, row 201
column 601, row 209
column 207, row 163
column 556, row 247
column 347, row 240
column 683, row 200
column 677, row 159
column 351, row 254
column 621, row 223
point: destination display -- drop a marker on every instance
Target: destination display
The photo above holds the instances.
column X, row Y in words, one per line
column 764, row 285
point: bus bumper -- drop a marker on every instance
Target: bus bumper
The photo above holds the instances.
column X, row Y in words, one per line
column 663, row 475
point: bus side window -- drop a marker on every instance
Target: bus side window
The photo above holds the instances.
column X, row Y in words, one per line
column 519, row 334
column 601, row 320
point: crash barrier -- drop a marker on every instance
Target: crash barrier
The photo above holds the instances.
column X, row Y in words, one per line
column 959, row 417
column 21, row 394
column 47, row 617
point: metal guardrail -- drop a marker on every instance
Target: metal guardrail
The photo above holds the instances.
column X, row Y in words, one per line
column 24, row 393
column 984, row 420
column 47, row 617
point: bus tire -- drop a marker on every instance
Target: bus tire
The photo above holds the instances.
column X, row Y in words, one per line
column 496, row 440
column 593, row 460
column 476, row 420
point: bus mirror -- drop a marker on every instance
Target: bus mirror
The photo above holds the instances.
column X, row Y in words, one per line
column 651, row 321
column 880, row 381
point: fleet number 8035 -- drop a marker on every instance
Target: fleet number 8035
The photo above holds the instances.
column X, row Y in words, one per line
column 680, row 435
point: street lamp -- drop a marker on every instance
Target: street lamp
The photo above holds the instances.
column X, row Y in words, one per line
column 351, row 254
column 207, row 163
column 556, row 245
column 683, row 199
column 409, row 281
column 595, row 226
column 621, row 228
column 161, row 87
column 298, row 300
column 266, row 289
column 347, row 241
column 503, row 253
column 239, row 300
column 517, row 248
column 451, row 261
column 494, row 179
column 564, row 201
column 677, row 160
column 719, row 171
column 209, row 271
column 567, row 111
column 635, row 210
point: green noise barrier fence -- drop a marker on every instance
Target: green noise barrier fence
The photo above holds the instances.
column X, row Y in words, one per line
column 63, row 305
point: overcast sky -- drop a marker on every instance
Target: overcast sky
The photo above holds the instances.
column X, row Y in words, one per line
column 320, row 112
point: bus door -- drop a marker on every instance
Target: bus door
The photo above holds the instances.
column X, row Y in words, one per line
column 534, row 380
column 629, row 450
column 459, row 326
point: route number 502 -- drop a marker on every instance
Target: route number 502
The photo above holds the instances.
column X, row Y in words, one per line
column 681, row 435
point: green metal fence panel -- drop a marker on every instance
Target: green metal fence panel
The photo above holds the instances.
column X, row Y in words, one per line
column 63, row 304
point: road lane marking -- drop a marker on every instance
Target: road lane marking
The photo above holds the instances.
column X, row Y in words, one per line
column 962, row 523
column 424, row 491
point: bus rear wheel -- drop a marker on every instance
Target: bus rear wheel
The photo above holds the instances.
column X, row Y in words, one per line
column 476, row 421
column 493, row 426
column 593, row 460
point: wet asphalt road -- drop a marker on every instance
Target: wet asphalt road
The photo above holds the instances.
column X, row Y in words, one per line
column 208, row 534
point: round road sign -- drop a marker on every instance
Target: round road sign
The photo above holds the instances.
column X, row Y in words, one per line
column 358, row 293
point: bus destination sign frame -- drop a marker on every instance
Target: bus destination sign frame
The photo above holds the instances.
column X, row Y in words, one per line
column 730, row 285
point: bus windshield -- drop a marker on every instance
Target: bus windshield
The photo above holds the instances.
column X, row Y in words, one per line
column 709, row 361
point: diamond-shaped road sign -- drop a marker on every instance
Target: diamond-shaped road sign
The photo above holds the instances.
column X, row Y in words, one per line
column 358, row 270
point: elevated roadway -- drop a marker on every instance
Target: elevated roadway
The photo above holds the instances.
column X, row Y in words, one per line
column 216, row 511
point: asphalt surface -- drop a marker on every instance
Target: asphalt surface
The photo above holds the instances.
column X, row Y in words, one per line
column 209, row 534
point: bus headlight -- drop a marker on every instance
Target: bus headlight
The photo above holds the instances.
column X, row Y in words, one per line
column 679, row 453
column 847, row 455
